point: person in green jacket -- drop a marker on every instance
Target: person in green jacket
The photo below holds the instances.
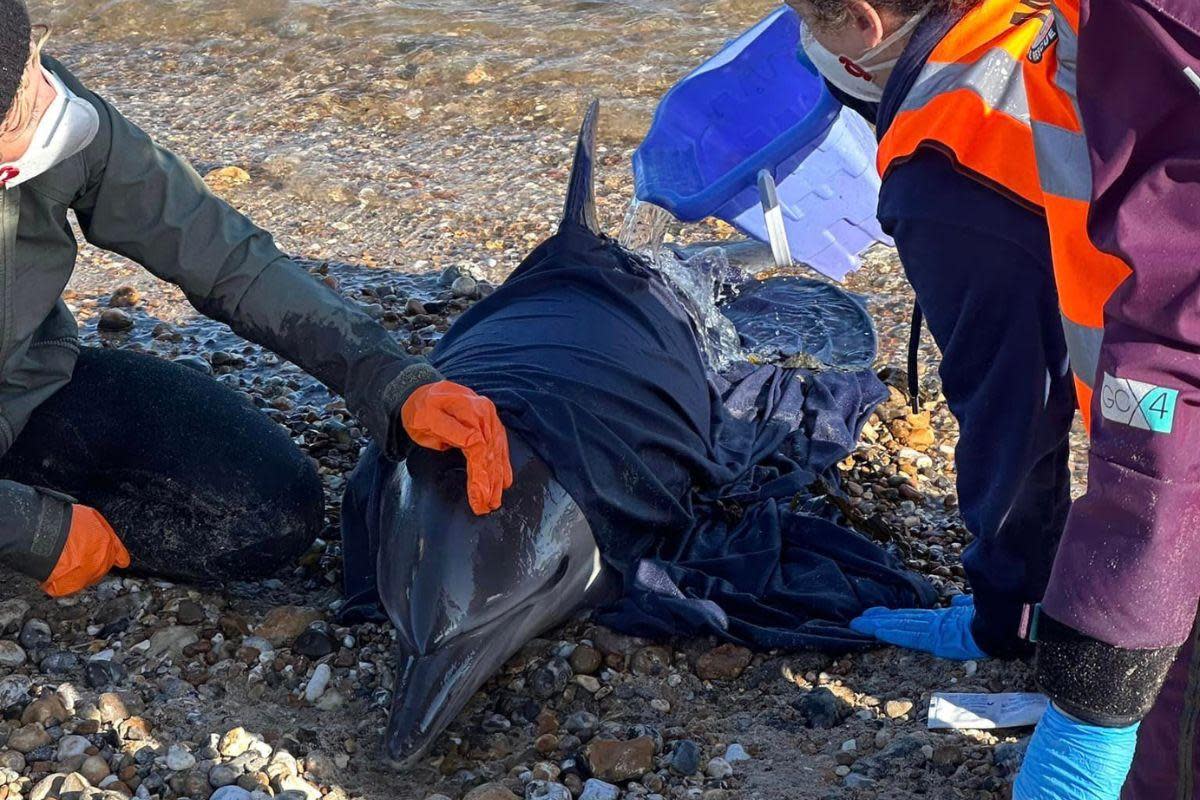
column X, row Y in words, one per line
column 111, row 458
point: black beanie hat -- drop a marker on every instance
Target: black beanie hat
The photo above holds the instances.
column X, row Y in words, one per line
column 14, row 50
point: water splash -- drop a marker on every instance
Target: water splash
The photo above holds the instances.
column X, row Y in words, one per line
column 644, row 228
column 701, row 281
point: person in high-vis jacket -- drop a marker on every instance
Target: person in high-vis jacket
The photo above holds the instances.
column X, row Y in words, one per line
column 116, row 459
column 1002, row 94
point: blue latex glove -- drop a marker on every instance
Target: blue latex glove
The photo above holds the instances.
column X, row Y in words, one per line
column 1070, row 760
column 944, row 632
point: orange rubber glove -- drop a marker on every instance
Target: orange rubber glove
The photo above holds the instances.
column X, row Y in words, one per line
column 91, row 551
column 443, row 415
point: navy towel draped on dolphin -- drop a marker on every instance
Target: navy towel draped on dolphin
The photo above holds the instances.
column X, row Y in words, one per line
column 694, row 484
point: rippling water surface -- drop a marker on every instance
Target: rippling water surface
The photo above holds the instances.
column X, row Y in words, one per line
column 393, row 60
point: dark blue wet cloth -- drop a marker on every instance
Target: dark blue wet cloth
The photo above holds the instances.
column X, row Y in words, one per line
column 695, row 485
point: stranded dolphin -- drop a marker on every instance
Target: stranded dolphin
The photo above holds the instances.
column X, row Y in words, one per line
column 465, row 592
column 625, row 450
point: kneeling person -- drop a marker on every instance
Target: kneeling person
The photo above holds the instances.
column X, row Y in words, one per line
column 111, row 458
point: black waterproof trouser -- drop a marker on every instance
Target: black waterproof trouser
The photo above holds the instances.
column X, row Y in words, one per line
column 198, row 483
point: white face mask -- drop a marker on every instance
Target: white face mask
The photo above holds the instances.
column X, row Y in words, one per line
column 864, row 75
column 68, row 126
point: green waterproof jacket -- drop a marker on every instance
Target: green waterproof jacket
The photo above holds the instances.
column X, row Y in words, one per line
column 135, row 198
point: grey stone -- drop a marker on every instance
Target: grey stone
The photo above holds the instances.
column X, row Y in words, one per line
column 582, row 724
column 60, row 663
column 596, row 789
column 35, row 634
column 546, row 790
column 230, row 793
column 735, row 752
column 318, row 683
column 170, row 641
column 856, row 781
column 223, row 775
column 179, row 759
column 12, row 655
column 72, row 746
column 104, row 674
column 12, row 613
column 1009, row 755
column 14, row 691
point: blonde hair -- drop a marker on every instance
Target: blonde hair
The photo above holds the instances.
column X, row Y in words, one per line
column 23, row 105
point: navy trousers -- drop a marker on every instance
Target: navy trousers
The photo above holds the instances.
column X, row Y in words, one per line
column 980, row 265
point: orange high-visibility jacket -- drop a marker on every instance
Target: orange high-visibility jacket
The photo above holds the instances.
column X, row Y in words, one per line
column 997, row 96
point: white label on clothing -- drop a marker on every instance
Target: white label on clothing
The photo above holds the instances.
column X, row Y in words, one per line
column 1138, row 404
column 981, row 712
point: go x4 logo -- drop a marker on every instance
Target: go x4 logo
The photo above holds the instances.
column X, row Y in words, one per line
column 1137, row 404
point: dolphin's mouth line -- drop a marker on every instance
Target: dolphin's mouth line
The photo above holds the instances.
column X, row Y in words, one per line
column 491, row 616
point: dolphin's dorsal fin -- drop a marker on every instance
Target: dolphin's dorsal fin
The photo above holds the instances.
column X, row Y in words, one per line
column 581, row 199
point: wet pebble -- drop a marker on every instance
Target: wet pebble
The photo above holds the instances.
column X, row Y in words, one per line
column 586, row 660
column 114, row 320
column 464, row 286
column 189, row 613
column 685, row 758
column 550, row 679
column 124, row 297
column 195, row 363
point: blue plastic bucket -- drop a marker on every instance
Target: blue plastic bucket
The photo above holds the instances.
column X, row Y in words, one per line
column 758, row 105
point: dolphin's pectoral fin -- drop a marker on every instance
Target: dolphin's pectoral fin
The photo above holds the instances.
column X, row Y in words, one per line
column 581, row 197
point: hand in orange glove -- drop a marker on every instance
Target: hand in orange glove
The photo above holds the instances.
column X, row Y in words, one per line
column 443, row 415
column 92, row 549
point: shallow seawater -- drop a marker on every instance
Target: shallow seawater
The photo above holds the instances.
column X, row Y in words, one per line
column 397, row 60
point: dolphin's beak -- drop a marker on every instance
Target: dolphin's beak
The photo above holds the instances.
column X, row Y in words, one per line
column 466, row 593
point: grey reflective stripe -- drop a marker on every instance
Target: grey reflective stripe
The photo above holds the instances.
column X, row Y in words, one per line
column 1083, row 345
column 1068, row 52
column 1062, row 158
column 996, row 78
